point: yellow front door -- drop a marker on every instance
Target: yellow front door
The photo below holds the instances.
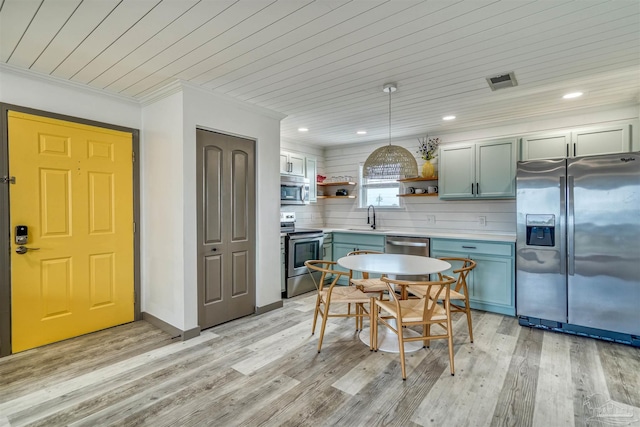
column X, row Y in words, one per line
column 73, row 191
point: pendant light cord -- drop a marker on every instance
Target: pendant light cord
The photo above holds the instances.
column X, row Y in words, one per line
column 390, row 116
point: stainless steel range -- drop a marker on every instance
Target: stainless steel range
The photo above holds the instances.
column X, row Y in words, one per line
column 301, row 245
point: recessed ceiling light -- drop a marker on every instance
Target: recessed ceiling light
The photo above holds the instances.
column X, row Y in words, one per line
column 303, row 130
column 362, row 132
column 572, row 95
column 448, row 117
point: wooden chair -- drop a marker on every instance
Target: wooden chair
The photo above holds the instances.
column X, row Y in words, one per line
column 459, row 295
column 423, row 312
column 366, row 284
column 329, row 294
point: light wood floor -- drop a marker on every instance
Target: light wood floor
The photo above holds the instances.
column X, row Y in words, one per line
column 264, row 370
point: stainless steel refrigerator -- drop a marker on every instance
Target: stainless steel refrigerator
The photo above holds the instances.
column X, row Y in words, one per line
column 578, row 245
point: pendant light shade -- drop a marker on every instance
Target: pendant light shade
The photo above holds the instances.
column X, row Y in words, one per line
column 390, row 161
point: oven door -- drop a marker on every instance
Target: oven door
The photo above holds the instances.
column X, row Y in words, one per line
column 300, row 249
column 294, row 194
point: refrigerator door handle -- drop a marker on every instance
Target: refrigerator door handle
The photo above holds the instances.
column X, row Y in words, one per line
column 570, row 227
column 562, row 224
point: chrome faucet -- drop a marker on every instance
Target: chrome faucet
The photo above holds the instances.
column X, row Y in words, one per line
column 373, row 224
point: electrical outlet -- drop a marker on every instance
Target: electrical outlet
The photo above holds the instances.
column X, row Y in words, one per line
column 431, row 219
column 482, row 221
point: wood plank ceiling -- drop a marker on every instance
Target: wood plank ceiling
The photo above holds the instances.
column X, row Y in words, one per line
column 323, row 63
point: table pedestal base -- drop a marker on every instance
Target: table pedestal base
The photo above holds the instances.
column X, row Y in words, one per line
column 388, row 341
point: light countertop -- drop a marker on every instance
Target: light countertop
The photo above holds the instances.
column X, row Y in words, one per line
column 488, row 236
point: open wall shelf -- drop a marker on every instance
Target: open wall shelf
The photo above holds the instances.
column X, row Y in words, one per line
column 327, row 184
column 336, row 184
column 419, row 195
column 431, row 178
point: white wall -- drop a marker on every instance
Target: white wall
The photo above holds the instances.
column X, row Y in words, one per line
column 449, row 215
column 33, row 90
column 162, row 217
column 222, row 114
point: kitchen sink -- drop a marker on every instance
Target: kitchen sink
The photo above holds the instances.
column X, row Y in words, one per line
column 369, row 230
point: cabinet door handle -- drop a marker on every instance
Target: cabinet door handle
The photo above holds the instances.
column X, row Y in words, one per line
column 574, row 149
column 477, row 188
column 469, row 247
column 472, row 189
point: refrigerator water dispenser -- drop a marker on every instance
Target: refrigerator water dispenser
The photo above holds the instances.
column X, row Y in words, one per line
column 541, row 230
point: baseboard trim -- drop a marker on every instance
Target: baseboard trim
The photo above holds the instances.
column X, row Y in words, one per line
column 270, row 307
column 170, row 329
column 191, row 333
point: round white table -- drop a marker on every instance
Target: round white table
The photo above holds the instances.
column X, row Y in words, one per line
column 393, row 265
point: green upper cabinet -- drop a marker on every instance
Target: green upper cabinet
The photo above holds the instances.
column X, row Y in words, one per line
column 604, row 140
column 545, row 146
column 292, row 164
column 478, row 170
column 456, row 171
column 577, row 143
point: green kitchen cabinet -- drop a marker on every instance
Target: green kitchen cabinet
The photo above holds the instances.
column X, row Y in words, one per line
column 343, row 243
column 492, row 283
column 576, row 143
column 481, row 170
column 327, row 247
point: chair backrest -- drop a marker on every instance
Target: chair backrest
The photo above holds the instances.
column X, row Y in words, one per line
column 365, row 275
column 434, row 291
column 463, row 272
column 325, row 267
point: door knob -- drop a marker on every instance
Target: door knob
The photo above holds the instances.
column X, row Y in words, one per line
column 23, row 250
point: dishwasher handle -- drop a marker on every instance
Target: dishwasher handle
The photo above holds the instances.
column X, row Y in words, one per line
column 414, row 244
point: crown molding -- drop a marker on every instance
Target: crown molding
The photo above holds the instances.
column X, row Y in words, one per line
column 165, row 91
column 169, row 89
column 252, row 108
column 57, row 81
column 180, row 85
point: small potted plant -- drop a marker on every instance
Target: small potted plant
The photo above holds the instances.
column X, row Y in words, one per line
column 428, row 150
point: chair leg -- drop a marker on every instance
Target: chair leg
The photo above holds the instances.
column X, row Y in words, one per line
column 427, row 343
column 325, row 315
column 315, row 315
column 450, row 340
column 372, row 319
column 468, row 310
column 401, row 345
column 374, row 327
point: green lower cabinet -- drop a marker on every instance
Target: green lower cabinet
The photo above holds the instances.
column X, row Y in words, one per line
column 492, row 283
column 343, row 243
column 327, row 253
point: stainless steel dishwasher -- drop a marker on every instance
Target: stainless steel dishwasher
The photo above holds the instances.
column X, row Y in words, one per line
column 408, row 246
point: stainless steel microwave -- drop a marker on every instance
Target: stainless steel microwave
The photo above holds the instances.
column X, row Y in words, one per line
column 294, row 190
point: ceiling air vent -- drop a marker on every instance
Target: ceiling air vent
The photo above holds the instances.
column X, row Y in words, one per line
column 502, row 81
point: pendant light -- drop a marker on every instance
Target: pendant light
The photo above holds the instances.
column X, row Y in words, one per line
column 390, row 161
